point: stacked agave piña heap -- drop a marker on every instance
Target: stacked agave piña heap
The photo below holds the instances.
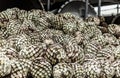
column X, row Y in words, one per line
column 40, row 44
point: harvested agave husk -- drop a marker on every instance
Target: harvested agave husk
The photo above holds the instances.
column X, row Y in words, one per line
column 92, row 68
column 103, row 22
column 13, row 27
column 62, row 70
column 3, row 33
column 48, row 41
column 3, row 43
column 3, row 22
column 41, row 68
column 54, row 32
column 117, row 52
column 116, row 66
column 12, row 13
column 55, row 53
column 58, row 39
column 58, row 21
column 73, row 18
column 22, row 14
column 74, row 53
column 48, row 15
column 70, row 16
column 103, row 29
column 41, row 23
column 40, row 18
column 28, row 26
column 34, row 37
column 44, row 35
column 103, row 25
column 32, row 51
column 81, row 26
column 9, row 14
column 110, row 39
column 69, row 28
column 99, row 39
column 20, row 68
column 36, row 14
column 5, row 65
column 10, row 52
column 79, row 37
column 114, row 29
column 95, row 20
column 18, row 41
column 107, row 53
column 61, row 19
column 4, row 15
column 69, row 40
column 108, row 69
column 79, row 71
column 91, row 49
column 89, row 23
column 90, row 31
column 49, row 34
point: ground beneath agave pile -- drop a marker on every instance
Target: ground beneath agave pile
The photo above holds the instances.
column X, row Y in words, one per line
column 39, row 44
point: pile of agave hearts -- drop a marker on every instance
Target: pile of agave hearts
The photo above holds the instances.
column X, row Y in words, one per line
column 39, row 44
